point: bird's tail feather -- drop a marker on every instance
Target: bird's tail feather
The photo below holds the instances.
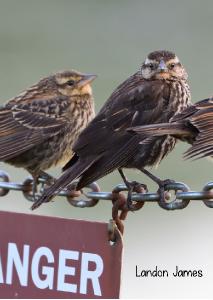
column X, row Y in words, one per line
column 64, row 180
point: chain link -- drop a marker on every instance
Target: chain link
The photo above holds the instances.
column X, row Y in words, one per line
column 182, row 193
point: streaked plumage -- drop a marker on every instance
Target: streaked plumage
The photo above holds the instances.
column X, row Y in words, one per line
column 194, row 125
column 152, row 95
column 38, row 127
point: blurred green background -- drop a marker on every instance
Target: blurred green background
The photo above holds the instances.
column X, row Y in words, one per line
column 111, row 39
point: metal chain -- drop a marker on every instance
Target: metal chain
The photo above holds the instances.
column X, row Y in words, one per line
column 182, row 194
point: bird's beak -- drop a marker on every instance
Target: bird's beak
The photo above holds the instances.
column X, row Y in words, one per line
column 87, row 78
column 162, row 66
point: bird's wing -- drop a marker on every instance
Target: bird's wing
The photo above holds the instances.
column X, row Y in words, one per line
column 194, row 124
column 137, row 103
column 177, row 129
column 24, row 125
column 199, row 117
column 192, row 109
column 203, row 144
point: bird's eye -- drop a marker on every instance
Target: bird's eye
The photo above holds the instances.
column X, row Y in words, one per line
column 70, row 82
column 151, row 66
column 172, row 66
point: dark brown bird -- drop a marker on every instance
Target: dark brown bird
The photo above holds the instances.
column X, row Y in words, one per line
column 154, row 94
column 194, row 125
column 38, row 127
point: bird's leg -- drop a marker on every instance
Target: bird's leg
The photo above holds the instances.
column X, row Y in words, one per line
column 161, row 183
column 34, row 186
column 49, row 180
column 132, row 186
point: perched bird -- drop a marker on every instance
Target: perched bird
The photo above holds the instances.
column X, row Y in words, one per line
column 194, row 125
column 39, row 126
column 154, row 94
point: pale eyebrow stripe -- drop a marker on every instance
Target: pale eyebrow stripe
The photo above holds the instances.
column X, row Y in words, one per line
column 173, row 60
column 148, row 61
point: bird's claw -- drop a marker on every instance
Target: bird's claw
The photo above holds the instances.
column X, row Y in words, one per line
column 43, row 180
column 137, row 187
column 163, row 188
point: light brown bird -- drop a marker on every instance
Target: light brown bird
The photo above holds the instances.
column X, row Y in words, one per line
column 194, row 125
column 154, row 94
column 39, row 126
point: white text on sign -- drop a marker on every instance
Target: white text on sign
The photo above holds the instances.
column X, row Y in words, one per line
column 23, row 265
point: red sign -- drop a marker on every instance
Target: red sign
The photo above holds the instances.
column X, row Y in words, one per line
column 46, row 257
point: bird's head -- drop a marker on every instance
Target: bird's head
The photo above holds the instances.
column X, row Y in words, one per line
column 73, row 83
column 163, row 64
